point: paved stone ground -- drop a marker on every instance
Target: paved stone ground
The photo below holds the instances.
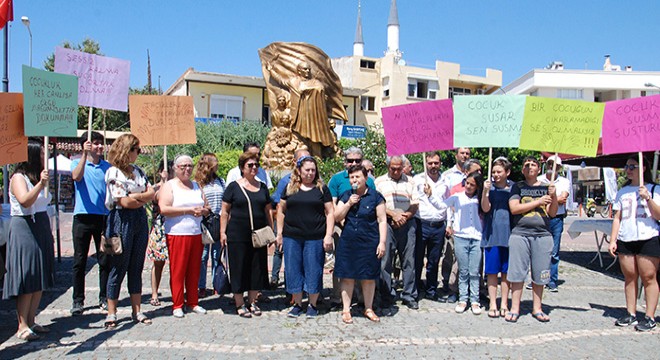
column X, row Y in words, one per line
column 582, row 312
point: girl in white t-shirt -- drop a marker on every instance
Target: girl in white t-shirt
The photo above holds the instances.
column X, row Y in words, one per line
column 467, row 229
column 635, row 240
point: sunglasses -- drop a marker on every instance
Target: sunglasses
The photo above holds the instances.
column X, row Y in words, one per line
column 252, row 165
column 353, row 161
column 631, row 167
column 139, row 151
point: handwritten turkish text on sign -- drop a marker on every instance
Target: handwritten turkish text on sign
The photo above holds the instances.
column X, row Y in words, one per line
column 162, row 120
column 558, row 125
column 424, row 126
column 632, row 125
column 13, row 142
column 50, row 103
column 488, row 120
column 103, row 81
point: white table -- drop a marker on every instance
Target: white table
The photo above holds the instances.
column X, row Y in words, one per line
column 604, row 226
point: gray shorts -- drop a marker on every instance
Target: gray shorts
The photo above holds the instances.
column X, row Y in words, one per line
column 526, row 251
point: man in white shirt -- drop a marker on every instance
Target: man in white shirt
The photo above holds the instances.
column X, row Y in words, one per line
column 235, row 173
column 432, row 223
column 556, row 224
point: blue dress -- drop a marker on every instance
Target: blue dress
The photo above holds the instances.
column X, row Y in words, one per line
column 356, row 252
column 497, row 224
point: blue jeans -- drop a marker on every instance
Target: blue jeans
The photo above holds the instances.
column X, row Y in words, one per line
column 304, row 265
column 131, row 224
column 556, row 228
column 214, row 251
column 468, row 256
column 430, row 241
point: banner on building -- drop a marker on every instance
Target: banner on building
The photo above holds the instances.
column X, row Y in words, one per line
column 102, row 81
column 162, row 120
column 419, row 127
column 50, row 103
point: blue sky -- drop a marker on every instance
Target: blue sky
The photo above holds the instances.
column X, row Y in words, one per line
column 223, row 36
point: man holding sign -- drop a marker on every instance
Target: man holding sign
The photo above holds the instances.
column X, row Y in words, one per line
column 89, row 216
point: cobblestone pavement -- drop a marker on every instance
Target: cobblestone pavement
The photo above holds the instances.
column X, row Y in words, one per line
column 582, row 312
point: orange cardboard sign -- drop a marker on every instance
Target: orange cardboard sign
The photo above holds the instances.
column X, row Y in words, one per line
column 162, row 120
column 13, row 142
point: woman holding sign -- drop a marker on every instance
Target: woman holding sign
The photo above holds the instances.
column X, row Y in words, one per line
column 635, row 229
column 128, row 191
column 30, row 257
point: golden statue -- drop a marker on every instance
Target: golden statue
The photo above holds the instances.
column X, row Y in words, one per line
column 305, row 73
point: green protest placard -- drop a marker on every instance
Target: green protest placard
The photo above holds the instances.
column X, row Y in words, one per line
column 50, row 103
column 488, row 120
column 562, row 126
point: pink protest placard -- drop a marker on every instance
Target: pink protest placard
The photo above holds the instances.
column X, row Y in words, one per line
column 424, row 126
column 632, row 125
column 102, row 81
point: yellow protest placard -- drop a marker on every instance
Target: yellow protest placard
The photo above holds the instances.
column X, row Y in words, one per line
column 162, row 120
column 561, row 126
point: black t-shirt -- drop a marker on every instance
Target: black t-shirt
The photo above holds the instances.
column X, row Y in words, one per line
column 305, row 214
column 534, row 222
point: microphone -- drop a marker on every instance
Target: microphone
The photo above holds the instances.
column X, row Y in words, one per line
column 354, row 189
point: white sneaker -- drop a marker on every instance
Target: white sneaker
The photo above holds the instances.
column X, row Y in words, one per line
column 460, row 307
column 199, row 310
column 476, row 309
column 178, row 313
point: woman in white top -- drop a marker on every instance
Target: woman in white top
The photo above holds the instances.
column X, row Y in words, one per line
column 635, row 240
column 467, row 229
column 128, row 191
column 30, row 257
column 183, row 205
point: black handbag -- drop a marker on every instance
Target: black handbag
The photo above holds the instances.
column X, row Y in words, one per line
column 221, row 277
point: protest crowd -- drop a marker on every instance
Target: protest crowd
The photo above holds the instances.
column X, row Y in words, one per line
column 453, row 236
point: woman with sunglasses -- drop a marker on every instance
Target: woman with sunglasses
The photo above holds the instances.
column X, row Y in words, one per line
column 248, row 265
column 182, row 204
column 128, row 191
column 635, row 240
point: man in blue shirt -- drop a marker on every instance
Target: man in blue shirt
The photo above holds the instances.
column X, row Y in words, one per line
column 89, row 216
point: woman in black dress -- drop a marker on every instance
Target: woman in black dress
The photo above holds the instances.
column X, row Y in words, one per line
column 248, row 266
column 362, row 242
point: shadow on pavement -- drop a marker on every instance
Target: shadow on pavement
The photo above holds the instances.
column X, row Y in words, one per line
column 588, row 260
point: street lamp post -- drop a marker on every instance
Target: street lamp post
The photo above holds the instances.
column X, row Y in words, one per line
column 26, row 22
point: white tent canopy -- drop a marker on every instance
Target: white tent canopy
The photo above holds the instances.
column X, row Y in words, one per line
column 63, row 164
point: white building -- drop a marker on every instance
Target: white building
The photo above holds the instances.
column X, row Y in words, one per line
column 611, row 83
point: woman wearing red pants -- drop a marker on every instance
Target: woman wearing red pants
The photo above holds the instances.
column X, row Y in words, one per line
column 182, row 204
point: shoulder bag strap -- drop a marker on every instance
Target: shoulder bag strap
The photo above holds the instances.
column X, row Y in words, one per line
column 249, row 205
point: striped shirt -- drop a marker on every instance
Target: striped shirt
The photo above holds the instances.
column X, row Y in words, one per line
column 399, row 195
column 213, row 193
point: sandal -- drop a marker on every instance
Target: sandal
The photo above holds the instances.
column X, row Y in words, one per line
column 39, row 329
column 243, row 312
column 346, row 317
column 110, row 321
column 27, row 335
column 511, row 317
column 141, row 318
column 541, row 316
column 493, row 313
column 503, row 312
column 254, row 309
column 371, row 315
column 154, row 302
